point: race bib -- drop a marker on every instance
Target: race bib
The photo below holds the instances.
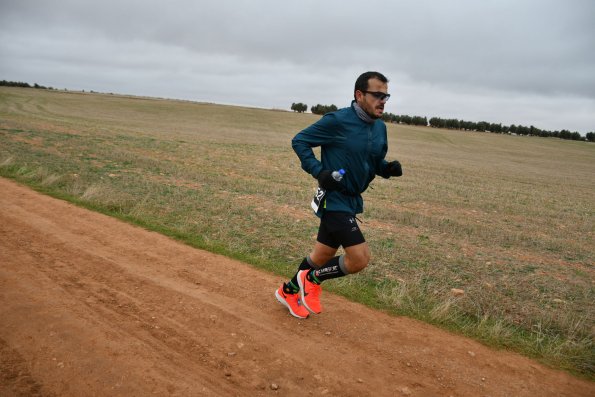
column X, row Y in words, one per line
column 318, row 199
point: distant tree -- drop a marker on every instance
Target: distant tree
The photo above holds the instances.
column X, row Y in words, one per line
column 323, row 109
column 453, row 124
column 418, row 120
column 575, row 136
column 534, row 131
column 299, row 107
column 545, row 133
column 590, row 136
column 436, row 122
column 388, row 117
column 495, row 128
column 468, row 125
column 522, row 130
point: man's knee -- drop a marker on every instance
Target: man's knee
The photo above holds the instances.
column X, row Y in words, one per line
column 359, row 263
column 357, row 259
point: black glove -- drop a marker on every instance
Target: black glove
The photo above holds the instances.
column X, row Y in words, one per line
column 327, row 182
column 394, row 168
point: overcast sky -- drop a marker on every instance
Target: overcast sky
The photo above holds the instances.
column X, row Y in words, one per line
column 529, row 62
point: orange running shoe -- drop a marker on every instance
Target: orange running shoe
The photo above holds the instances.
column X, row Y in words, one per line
column 310, row 292
column 291, row 301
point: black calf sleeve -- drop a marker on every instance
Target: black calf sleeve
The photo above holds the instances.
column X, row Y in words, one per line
column 334, row 268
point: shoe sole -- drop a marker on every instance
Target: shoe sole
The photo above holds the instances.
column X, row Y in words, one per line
column 302, row 289
column 284, row 303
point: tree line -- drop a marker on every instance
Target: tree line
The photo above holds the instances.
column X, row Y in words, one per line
column 498, row 128
column 484, row 126
column 23, row 85
column 456, row 124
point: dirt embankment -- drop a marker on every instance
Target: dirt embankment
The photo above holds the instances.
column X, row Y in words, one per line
column 91, row 306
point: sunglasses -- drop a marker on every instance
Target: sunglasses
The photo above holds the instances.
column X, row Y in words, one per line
column 378, row 95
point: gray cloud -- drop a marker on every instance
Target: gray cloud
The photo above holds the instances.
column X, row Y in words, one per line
column 502, row 61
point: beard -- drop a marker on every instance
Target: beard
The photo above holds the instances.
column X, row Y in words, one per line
column 372, row 112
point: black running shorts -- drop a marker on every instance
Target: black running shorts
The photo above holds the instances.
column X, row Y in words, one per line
column 339, row 228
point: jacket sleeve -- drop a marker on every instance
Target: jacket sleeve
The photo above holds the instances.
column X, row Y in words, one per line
column 318, row 134
column 381, row 166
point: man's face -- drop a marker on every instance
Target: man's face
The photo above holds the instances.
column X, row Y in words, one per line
column 373, row 106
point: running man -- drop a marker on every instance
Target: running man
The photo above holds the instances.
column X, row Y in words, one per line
column 353, row 139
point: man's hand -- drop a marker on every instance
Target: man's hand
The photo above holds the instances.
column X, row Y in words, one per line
column 327, row 182
column 394, row 168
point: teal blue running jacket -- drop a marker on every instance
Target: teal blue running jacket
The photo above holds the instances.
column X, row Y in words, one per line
column 347, row 142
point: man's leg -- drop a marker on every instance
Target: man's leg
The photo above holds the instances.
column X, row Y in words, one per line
column 341, row 229
column 335, row 229
column 356, row 259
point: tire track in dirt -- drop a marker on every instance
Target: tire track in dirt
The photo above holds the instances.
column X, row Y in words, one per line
column 93, row 306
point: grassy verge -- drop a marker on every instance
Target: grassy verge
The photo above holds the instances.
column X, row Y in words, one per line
column 507, row 219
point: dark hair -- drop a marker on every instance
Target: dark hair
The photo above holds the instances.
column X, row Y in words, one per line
column 361, row 84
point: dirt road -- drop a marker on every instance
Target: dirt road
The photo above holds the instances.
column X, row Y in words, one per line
column 91, row 306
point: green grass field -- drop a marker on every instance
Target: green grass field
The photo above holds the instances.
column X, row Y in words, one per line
column 507, row 219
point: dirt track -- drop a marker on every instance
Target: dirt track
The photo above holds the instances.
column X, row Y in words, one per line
column 91, row 306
